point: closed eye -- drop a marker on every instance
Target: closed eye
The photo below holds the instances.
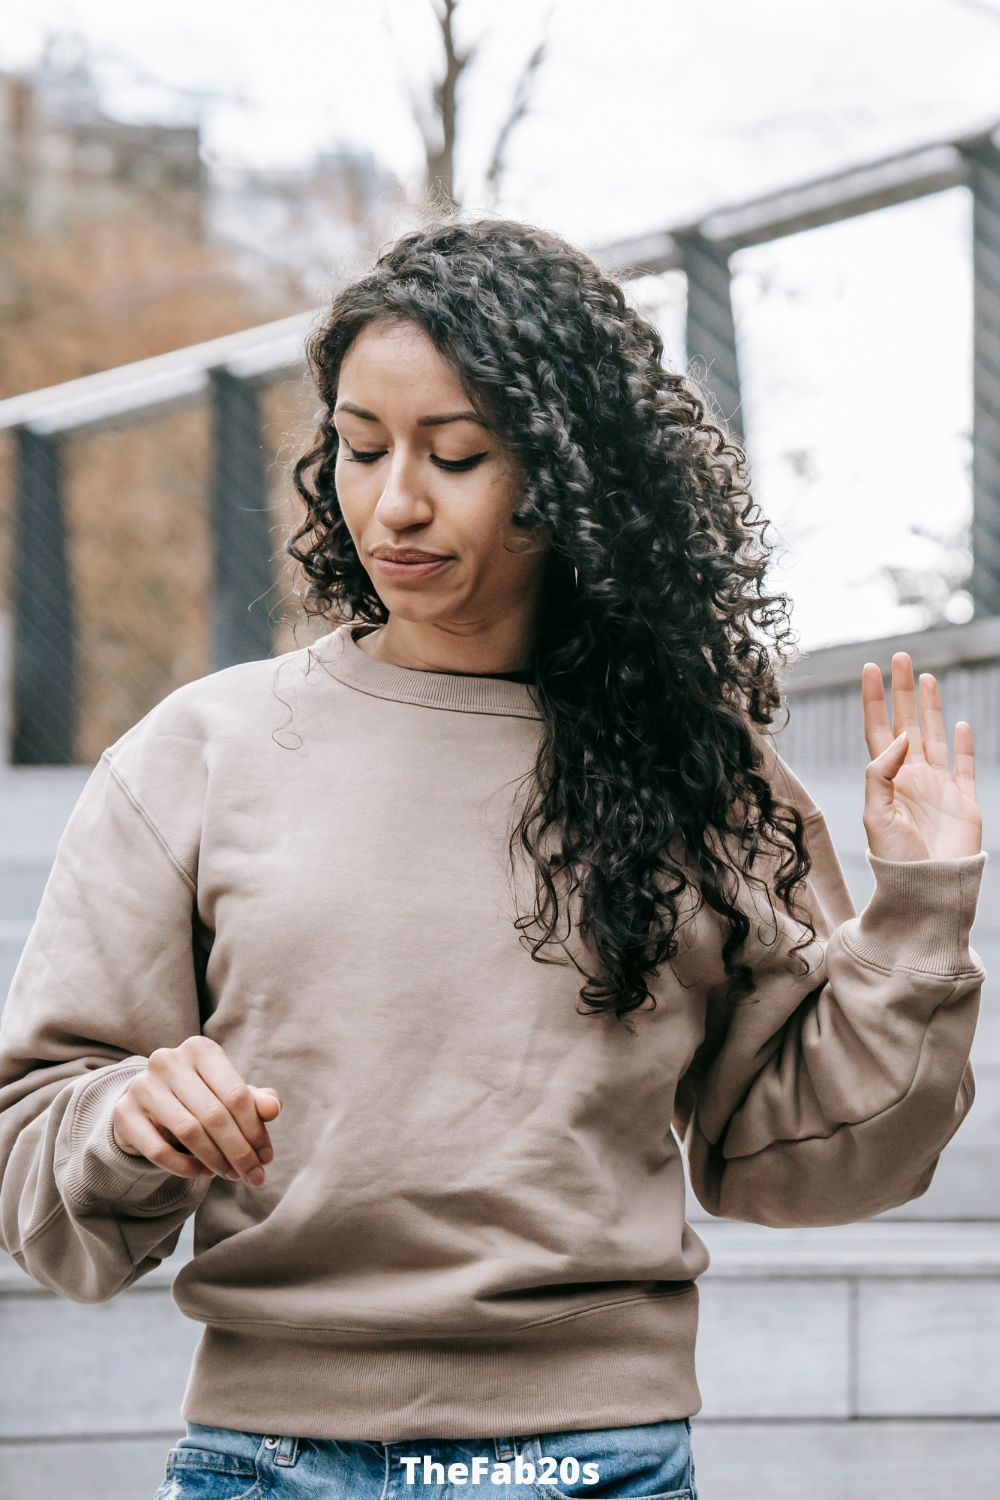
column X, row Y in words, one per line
column 456, row 466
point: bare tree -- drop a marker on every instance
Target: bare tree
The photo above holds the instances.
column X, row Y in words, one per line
column 437, row 116
column 520, row 104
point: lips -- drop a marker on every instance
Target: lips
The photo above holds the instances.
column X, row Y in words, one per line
column 412, row 572
column 410, row 557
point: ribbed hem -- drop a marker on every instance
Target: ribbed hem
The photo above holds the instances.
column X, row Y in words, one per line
column 920, row 915
column 343, row 658
column 624, row 1364
column 97, row 1169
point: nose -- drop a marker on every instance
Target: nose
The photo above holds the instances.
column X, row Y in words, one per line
column 403, row 500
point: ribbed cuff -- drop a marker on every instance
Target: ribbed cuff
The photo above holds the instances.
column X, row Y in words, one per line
column 920, row 915
column 97, row 1169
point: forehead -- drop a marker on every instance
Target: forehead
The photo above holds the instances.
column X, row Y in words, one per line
column 395, row 363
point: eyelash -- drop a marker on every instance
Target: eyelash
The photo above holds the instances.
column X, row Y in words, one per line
column 457, row 466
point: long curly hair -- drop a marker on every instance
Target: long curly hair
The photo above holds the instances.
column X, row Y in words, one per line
column 648, row 782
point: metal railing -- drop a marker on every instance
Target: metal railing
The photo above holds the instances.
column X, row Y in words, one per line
column 825, row 730
column 232, row 564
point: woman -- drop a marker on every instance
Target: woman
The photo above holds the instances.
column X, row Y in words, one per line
column 279, row 976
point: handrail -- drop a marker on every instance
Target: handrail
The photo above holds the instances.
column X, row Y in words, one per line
column 937, row 649
column 228, row 374
column 273, row 350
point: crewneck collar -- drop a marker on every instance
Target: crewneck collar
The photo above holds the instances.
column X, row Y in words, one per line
column 345, row 660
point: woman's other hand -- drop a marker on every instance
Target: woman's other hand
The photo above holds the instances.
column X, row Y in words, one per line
column 916, row 806
column 191, row 1113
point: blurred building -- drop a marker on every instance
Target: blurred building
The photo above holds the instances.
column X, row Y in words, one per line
column 63, row 158
column 121, row 240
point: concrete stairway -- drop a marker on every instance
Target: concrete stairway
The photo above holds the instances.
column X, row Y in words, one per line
column 854, row 1363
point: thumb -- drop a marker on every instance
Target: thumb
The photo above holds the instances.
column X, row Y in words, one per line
column 266, row 1096
column 878, row 787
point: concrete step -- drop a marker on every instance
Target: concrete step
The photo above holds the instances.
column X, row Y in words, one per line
column 34, row 805
column 862, row 1360
column 35, row 802
column 872, row 1320
column 932, row 1459
column 21, row 884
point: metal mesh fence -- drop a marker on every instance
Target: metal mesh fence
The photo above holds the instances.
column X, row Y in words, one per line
column 165, row 530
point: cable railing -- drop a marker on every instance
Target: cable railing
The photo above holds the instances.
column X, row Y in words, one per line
column 147, row 501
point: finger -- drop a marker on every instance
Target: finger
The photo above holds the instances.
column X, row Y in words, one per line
column 148, row 1142
column 965, row 757
column 203, row 1123
column 189, row 1104
column 266, row 1098
column 935, row 736
column 268, row 1106
column 904, row 703
column 248, row 1136
column 878, row 735
column 879, row 774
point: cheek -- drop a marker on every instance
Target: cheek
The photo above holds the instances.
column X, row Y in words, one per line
column 345, row 474
column 353, row 494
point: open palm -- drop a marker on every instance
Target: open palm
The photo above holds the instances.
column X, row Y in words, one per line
column 916, row 806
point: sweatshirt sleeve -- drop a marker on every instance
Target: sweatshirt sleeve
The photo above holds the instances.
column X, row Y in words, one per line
column 107, row 974
column 828, row 1096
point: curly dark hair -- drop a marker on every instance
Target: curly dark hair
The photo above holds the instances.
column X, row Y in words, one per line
column 647, row 672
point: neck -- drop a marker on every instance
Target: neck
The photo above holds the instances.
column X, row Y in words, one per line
column 340, row 651
column 434, row 648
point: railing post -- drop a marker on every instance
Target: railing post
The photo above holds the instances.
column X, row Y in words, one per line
column 711, row 329
column 44, row 635
column 244, row 573
column 984, row 179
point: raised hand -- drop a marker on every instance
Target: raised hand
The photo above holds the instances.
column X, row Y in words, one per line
column 916, row 806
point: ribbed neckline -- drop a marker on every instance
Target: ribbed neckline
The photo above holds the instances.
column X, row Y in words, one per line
column 464, row 693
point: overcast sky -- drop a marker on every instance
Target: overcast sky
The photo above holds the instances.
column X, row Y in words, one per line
column 856, row 339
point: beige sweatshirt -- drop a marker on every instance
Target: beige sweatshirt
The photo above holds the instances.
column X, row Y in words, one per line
column 474, row 1222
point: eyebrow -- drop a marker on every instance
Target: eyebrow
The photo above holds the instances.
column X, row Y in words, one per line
column 435, row 421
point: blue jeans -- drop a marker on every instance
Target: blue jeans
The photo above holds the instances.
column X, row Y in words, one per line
column 649, row 1462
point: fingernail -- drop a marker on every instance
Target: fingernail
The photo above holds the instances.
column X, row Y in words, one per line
column 266, row 1154
column 256, row 1177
